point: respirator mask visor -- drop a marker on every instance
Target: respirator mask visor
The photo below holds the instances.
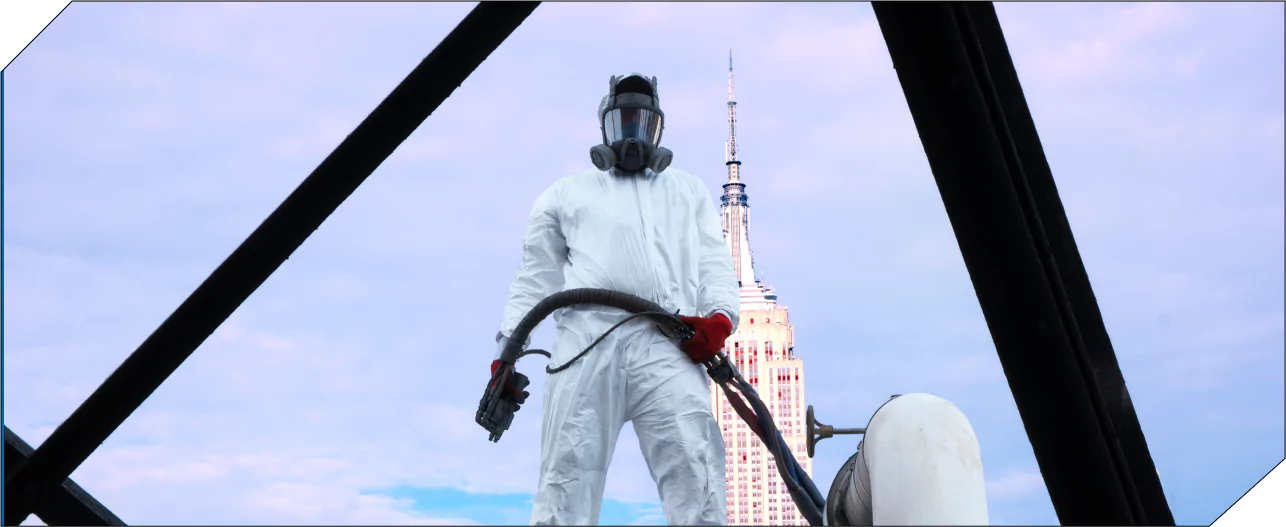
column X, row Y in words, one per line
column 642, row 124
column 632, row 128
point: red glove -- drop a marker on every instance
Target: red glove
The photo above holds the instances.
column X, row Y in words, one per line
column 510, row 389
column 711, row 331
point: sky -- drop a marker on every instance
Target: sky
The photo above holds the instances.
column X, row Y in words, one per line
column 145, row 141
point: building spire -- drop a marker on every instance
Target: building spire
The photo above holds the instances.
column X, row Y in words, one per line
column 729, row 75
column 736, row 205
column 732, row 127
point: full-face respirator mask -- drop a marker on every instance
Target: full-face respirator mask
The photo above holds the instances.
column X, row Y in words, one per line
column 631, row 120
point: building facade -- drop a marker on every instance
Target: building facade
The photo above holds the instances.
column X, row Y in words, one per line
column 763, row 350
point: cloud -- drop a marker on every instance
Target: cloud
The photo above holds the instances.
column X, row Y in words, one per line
column 492, row 508
column 1080, row 44
column 805, row 46
column 251, row 488
column 316, row 503
column 1015, row 483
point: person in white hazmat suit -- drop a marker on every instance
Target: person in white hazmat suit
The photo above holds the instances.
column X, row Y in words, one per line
column 635, row 226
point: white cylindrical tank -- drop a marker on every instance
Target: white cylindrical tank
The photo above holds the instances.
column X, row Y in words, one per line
column 919, row 464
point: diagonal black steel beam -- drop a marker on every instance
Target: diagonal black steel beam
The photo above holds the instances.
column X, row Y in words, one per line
column 942, row 61
column 979, row 61
column 409, row 104
column 68, row 504
column 1100, row 357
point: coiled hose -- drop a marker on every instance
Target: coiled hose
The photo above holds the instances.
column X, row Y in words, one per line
column 495, row 411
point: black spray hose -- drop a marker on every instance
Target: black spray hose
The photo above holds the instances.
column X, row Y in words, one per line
column 798, row 484
column 810, row 502
column 671, row 325
column 802, row 491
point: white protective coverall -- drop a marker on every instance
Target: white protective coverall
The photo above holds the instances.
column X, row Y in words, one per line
column 659, row 237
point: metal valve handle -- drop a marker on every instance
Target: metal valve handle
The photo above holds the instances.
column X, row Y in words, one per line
column 818, row 431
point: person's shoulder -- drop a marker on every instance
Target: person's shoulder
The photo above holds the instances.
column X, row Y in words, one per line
column 573, row 180
column 587, row 174
column 685, row 179
column 679, row 175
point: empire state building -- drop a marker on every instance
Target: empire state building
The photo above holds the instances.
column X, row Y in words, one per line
column 763, row 350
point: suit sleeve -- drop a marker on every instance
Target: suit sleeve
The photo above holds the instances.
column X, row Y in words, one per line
column 717, row 290
column 544, row 252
